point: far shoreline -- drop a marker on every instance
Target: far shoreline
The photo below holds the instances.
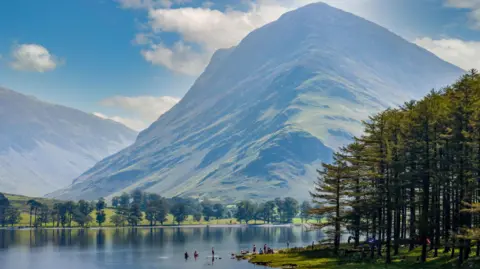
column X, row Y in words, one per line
column 290, row 225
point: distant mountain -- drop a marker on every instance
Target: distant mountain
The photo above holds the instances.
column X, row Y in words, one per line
column 43, row 147
column 263, row 115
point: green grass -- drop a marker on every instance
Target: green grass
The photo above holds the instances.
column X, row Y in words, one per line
column 322, row 257
column 20, row 201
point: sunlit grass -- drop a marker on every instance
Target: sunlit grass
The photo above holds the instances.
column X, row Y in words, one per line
column 322, row 257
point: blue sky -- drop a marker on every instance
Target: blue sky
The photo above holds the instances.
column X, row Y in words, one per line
column 120, row 58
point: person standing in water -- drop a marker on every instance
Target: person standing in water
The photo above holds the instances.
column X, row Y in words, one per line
column 186, row 255
column 195, row 255
column 254, row 249
column 213, row 253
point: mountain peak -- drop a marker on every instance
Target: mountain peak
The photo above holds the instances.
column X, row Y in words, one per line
column 266, row 113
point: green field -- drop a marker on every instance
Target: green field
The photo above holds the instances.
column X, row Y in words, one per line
column 20, row 201
column 323, row 258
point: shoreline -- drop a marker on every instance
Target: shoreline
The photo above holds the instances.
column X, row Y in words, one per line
column 22, row 228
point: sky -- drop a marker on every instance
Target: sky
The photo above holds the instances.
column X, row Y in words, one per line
column 132, row 60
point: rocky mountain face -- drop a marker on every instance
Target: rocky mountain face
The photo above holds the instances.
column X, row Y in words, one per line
column 43, row 146
column 264, row 114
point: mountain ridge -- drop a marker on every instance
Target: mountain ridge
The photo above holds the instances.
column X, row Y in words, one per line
column 44, row 146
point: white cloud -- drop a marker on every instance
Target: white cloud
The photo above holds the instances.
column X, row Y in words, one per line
column 144, row 3
column 180, row 58
column 465, row 54
column 204, row 30
column 147, row 4
column 209, row 29
column 134, row 124
column 33, row 57
column 473, row 5
column 143, row 109
column 142, row 39
column 213, row 29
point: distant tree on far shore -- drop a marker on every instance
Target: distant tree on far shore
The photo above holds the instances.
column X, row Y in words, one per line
column 118, row 220
column 12, row 216
column 197, row 217
column 179, row 212
column 305, row 209
column 4, row 205
column 245, row 211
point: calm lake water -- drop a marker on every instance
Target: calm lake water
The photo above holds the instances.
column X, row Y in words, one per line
column 141, row 248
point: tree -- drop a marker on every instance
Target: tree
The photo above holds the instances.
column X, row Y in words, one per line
column 207, row 210
column 150, row 214
column 280, row 209
column 54, row 215
column 81, row 213
column 43, row 216
column 245, row 211
column 305, row 209
column 70, row 207
column 81, row 218
column 197, row 217
column 62, row 214
column 115, row 201
column 34, row 206
column 4, row 205
column 330, row 192
column 219, row 211
column 269, row 211
column 101, row 217
column 179, row 212
column 84, row 207
column 137, row 197
column 161, row 210
column 12, row 216
column 290, row 208
column 134, row 215
column 124, row 200
column 118, row 220
column 101, row 204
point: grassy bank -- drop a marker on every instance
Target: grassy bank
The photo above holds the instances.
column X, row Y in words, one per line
column 323, row 258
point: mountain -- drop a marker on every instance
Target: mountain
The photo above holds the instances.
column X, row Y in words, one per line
column 264, row 114
column 43, row 147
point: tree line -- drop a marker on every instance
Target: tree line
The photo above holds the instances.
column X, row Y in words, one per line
column 128, row 208
column 274, row 211
column 413, row 177
column 60, row 214
column 133, row 208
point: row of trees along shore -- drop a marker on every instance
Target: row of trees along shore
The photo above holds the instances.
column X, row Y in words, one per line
column 128, row 208
column 413, row 178
column 131, row 209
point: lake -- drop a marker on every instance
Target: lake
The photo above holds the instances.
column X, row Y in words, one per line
column 127, row 248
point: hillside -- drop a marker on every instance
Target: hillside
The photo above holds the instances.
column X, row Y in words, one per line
column 264, row 114
column 43, row 146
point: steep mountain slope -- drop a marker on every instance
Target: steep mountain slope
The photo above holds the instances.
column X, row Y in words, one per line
column 264, row 114
column 43, row 147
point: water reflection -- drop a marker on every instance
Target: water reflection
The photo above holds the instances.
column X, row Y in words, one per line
column 139, row 248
